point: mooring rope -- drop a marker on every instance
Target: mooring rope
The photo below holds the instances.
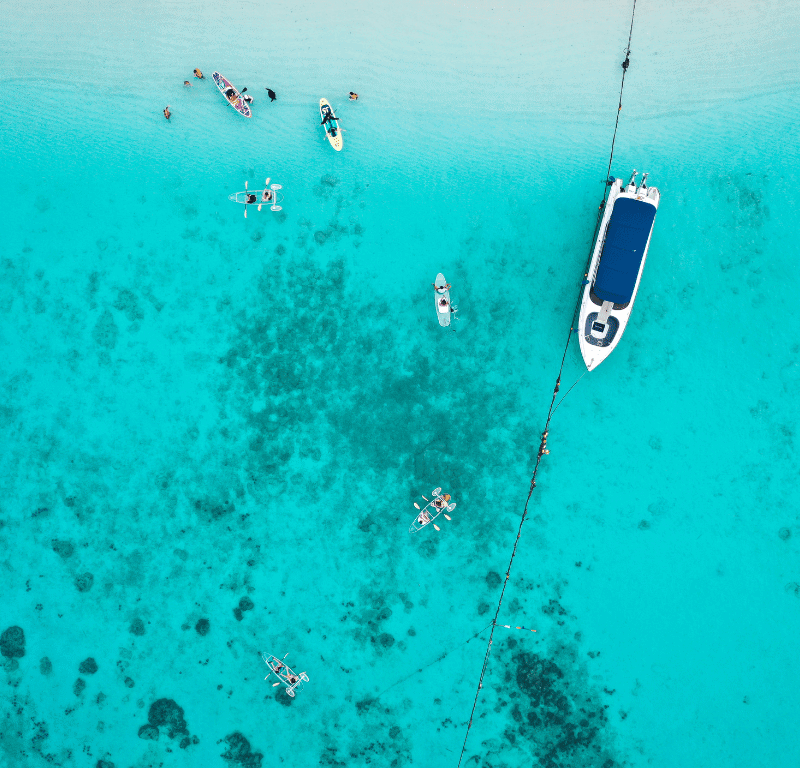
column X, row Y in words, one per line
column 441, row 657
column 551, row 410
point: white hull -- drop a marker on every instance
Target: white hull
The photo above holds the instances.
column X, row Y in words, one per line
column 601, row 324
column 336, row 141
column 242, row 197
column 442, row 310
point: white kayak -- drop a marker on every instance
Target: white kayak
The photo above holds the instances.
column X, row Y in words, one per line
column 331, row 125
column 442, row 299
column 292, row 680
column 437, row 506
column 259, row 197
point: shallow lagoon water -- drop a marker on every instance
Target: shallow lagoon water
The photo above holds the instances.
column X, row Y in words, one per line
column 200, row 409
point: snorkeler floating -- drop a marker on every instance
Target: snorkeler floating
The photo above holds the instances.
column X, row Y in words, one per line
column 440, row 505
column 199, row 75
column 167, row 113
column 271, row 94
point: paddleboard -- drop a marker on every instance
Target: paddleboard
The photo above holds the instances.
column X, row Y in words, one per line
column 442, row 310
column 237, row 101
column 336, row 140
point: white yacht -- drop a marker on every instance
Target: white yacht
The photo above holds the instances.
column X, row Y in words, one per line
column 616, row 267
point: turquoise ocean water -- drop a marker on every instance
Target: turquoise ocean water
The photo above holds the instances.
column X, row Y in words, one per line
column 202, row 414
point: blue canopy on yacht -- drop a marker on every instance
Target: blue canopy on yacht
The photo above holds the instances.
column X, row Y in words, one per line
column 628, row 232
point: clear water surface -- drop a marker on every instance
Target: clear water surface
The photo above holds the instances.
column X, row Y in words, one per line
column 201, row 413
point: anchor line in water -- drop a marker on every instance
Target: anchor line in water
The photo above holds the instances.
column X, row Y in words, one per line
column 439, row 658
column 551, row 410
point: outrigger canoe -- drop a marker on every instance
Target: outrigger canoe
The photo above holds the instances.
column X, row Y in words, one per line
column 232, row 95
column 331, row 125
column 292, row 680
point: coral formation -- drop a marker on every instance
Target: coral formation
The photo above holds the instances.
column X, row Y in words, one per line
column 12, row 643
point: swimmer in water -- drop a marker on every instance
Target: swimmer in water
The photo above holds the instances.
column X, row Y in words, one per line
column 271, row 94
column 353, row 96
column 187, row 83
column 198, row 74
column 167, row 113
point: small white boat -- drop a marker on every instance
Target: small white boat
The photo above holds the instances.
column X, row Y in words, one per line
column 616, row 267
column 442, row 300
column 331, row 124
column 267, row 196
column 438, row 505
column 292, row 680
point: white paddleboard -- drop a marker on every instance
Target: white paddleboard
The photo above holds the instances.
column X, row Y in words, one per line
column 442, row 309
column 336, row 141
